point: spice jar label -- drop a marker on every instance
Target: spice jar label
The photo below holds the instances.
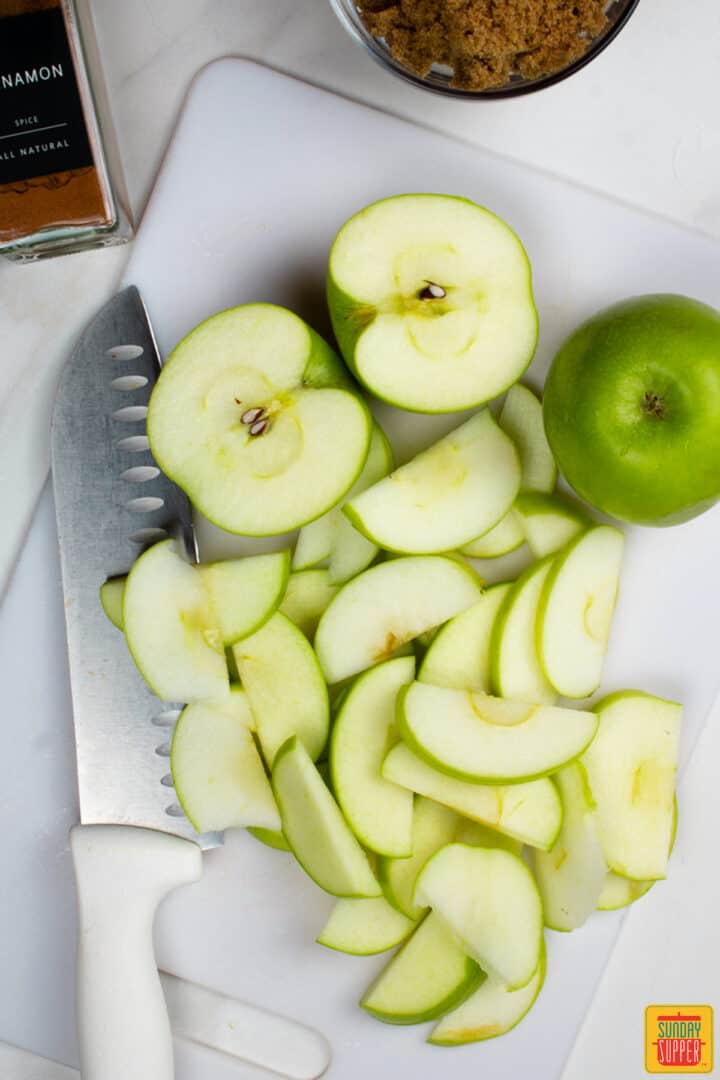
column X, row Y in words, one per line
column 42, row 128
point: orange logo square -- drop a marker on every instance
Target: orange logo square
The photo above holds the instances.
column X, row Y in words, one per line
column 679, row 1039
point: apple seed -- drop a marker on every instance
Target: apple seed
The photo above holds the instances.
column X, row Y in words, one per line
column 260, row 425
column 250, row 416
column 432, row 292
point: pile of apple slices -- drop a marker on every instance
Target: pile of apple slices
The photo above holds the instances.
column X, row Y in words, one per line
column 453, row 807
column 362, row 700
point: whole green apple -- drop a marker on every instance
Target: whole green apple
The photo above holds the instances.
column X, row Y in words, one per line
column 632, row 409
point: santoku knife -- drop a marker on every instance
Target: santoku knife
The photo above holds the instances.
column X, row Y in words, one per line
column 134, row 845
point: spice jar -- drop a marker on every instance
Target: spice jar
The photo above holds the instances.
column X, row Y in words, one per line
column 60, row 179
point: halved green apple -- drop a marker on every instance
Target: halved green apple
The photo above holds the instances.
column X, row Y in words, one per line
column 315, row 828
column 378, row 811
column 529, row 812
column 572, row 875
column 488, row 897
column 515, row 671
column 576, row 609
column 549, row 522
column 243, row 413
column 459, row 654
column 217, row 772
column 476, row 737
column 171, row 629
column 457, row 489
column 387, row 606
column 307, row 595
column 431, row 302
column 491, row 1011
column 112, row 595
column 631, row 767
column 433, row 826
column 429, row 975
column 245, row 592
column 285, row 687
column 364, row 927
column 331, row 536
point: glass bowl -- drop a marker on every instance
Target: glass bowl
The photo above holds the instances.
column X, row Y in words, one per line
column 439, row 77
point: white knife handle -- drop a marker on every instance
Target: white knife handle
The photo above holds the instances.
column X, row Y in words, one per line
column 122, row 874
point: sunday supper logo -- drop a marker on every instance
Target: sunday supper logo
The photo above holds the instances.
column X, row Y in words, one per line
column 679, row 1039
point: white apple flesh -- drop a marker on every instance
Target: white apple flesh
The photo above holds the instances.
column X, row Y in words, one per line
column 459, row 654
column 549, row 522
column 285, row 687
column 528, row 812
column 576, row 609
column 631, row 766
column 489, row 899
column 364, row 927
column 307, row 595
column 378, row 811
column 217, row 772
column 571, row 876
column 457, row 489
column 431, row 302
column 171, row 629
column 474, row 736
column 515, row 671
column 315, row 828
column 387, row 606
column 245, row 592
column 243, row 413
column 429, row 975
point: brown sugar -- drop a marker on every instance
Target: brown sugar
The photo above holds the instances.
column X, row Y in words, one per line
column 485, row 41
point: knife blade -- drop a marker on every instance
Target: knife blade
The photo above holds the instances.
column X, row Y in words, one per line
column 133, row 844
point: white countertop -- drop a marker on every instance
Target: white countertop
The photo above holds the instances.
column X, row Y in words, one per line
column 640, row 123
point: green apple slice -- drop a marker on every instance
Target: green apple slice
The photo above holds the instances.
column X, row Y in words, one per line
column 491, row 1011
column 515, row 670
column 378, row 811
column 521, row 418
column 285, row 687
column 245, row 592
column 112, row 595
column 243, row 413
column 619, row 892
column 433, row 826
column 503, row 538
column 272, row 838
column 576, row 609
column 364, row 927
column 217, row 772
column 457, row 489
column 476, row 737
column 171, row 628
column 387, row 606
column 315, row 828
column 331, row 536
column 489, row 899
column 477, row 835
column 529, row 812
column 631, row 767
column 308, row 594
column 429, row 975
column 431, row 302
column 549, row 522
column 459, row 654
column 572, row 875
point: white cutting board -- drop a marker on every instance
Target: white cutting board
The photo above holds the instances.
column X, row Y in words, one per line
column 261, row 172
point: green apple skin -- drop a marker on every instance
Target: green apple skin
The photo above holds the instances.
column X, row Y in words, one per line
column 632, row 409
column 272, row 838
